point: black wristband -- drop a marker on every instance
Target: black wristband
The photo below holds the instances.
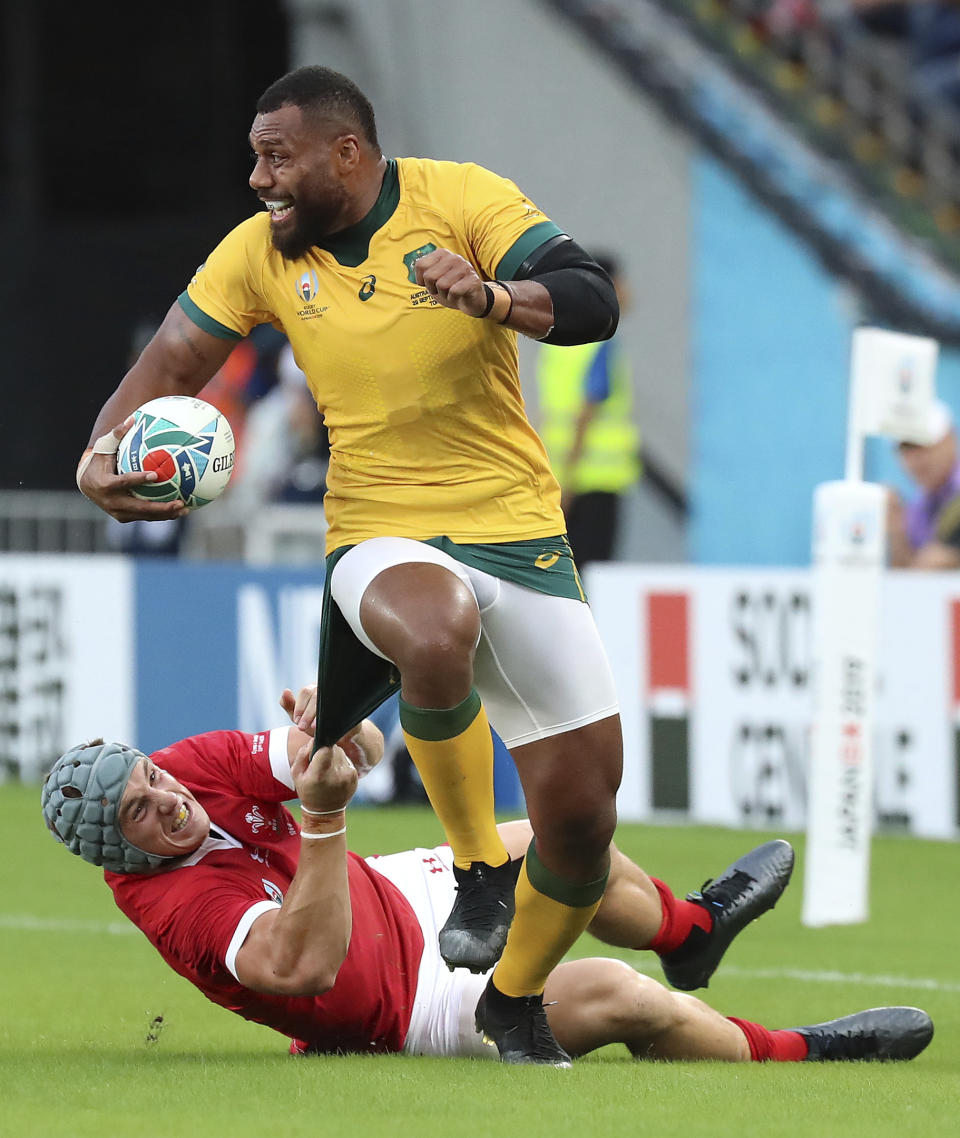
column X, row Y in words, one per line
column 509, row 291
column 491, row 297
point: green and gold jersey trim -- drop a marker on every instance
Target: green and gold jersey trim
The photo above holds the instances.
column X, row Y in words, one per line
column 351, row 246
column 204, row 322
column 524, row 245
column 435, row 726
column 352, row 681
column 542, row 563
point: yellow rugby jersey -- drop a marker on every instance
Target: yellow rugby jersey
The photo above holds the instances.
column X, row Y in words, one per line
column 428, row 432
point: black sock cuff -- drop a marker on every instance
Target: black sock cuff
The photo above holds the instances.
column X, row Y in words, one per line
column 575, row 895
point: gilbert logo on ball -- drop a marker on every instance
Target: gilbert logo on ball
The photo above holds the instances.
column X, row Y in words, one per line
column 186, row 442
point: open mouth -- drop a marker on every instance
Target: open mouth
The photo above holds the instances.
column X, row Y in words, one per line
column 183, row 816
column 279, row 210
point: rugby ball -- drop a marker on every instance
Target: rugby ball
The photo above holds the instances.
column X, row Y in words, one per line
column 187, row 442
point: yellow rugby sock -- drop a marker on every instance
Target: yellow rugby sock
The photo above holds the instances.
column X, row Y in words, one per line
column 545, row 926
column 452, row 748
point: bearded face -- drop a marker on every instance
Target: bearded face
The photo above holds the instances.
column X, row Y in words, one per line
column 300, row 221
column 297, row 177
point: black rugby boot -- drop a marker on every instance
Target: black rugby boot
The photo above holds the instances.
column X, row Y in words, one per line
column 476, row 930
column 876, row 1035
column 745, row 890
column 518, row 1026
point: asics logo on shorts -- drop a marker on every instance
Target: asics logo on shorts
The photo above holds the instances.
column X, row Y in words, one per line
column 547, row 560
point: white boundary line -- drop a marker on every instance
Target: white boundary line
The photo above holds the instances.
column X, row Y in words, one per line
column 806, row 976
column 27, row 923
column 809, row 976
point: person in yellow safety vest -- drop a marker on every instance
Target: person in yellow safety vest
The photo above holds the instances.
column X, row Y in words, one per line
column 587, row 426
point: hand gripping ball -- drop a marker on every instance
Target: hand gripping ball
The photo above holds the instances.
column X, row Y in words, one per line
column 187, row 442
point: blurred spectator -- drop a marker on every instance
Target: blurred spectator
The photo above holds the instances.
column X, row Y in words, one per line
column 782, row 18
column 888, row 18
column 924, row 532
column 935, row 42
column 251, row 372
column 270, row 343
column 586, row 423
column 228, row 390
column 286, row 449
column 931, row 32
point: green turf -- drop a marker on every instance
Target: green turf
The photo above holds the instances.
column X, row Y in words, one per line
column 76, row 1006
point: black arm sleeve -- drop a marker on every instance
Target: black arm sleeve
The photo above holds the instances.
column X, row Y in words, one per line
column 585, row 307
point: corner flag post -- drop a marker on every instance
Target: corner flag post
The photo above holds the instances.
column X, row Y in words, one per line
column 891, row 389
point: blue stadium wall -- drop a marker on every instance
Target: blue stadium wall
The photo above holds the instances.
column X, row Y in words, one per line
column 770, row 331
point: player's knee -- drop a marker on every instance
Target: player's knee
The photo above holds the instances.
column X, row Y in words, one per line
column 427, row 625
column 635, row 1004
column 584, row 815
column 442, row 645
column 649, row 1007
column 577, row 827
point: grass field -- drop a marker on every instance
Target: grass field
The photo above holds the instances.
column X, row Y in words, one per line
column 79, row 989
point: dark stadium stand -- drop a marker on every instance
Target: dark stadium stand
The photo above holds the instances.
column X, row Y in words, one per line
column 821, row 119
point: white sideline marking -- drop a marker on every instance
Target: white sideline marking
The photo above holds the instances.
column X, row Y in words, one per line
column 26, row 923
column 806, row 976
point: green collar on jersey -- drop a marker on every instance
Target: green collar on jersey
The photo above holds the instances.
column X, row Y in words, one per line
column 351, row 246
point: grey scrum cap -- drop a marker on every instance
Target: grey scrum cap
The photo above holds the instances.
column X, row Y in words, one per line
column 80, row 800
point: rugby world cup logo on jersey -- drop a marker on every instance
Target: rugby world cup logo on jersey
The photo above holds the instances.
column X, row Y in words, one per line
column 308, row 286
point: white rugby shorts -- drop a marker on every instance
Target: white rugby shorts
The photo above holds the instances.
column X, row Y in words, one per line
column 443, row 1011
column 540, row 666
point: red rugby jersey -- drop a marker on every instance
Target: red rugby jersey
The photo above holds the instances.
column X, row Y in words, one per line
column 198, row 914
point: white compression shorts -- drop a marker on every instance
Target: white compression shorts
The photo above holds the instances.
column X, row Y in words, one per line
column 442, row 1022
column 540, row 666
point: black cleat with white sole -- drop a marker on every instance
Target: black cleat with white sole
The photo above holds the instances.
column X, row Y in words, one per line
column 517, row 1026
column 876, row 1035
column 745, row 890
column 476, row 930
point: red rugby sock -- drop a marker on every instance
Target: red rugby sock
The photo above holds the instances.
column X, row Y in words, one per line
column 772, row 1046
column 679, row 919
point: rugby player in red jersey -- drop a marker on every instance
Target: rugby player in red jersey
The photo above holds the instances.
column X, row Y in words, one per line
column 280, row 923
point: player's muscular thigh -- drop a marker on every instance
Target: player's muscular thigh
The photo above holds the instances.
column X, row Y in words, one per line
column 425, row 619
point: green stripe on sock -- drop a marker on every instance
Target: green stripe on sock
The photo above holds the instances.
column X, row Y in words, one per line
column 436, row 724
column 569, row 893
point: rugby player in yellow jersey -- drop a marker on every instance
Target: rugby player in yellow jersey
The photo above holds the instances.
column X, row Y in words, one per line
column 401, row 285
